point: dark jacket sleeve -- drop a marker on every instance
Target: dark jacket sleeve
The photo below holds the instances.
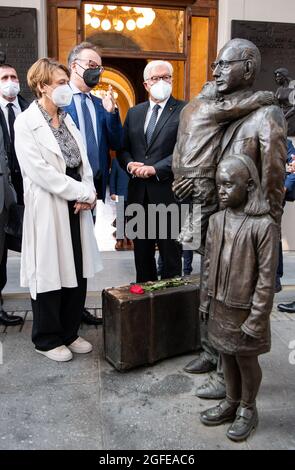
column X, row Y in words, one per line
column 113, row 177
column 267, row 251
column 164, row 168
column 114, row 130
column 124, row 156
column 7, row 192
column 290, row 150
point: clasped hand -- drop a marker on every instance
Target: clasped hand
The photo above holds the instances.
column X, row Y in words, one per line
column 84, row 206
column 140, row 170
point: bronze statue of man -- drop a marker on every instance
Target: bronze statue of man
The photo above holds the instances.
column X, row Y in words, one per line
column 261, row 135
column 196, row 153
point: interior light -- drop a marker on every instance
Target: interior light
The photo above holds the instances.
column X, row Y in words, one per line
column 106, row 25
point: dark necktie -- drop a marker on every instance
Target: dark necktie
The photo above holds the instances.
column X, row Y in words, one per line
column 92, row 148
column 12, row 158
column 11, row 119
column 152, row 124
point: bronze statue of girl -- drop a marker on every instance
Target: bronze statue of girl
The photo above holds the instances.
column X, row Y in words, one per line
column 237, row 290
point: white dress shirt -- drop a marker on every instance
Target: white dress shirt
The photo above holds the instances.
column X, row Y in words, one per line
column 150, row 110
column 148, row 116
column 77, row 100
column 16, row 108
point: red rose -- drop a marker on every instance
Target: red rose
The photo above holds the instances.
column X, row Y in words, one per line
column 136, row 289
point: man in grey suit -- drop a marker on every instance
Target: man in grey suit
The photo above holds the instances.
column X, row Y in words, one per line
column 7, row 198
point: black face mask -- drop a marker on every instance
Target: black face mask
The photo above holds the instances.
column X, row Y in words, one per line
column 91, row 77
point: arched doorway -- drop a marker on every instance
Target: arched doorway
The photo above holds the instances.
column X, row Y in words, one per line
column 123, row 89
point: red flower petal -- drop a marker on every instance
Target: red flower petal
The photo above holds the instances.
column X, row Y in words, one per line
column 136, row 289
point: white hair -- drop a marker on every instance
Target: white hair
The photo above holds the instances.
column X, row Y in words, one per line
column 156, row 63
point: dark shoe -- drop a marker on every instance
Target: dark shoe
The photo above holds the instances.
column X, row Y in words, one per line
column 213, row 389
column 221, row 413
column 290, row 308
column 128, row 244
column 1, row 298
column 119, row 245
column 200, row 365
column 246, row 420
column 90, row 319
column 10, row 320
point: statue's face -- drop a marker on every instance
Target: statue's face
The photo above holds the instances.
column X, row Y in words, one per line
column 279, row 78
column 232, row 185
column 229, row 70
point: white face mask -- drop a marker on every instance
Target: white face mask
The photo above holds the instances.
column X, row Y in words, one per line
column 161, row 90
column 61, row 96
column 9, row 88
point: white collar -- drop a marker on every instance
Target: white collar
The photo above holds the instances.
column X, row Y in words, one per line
column 76, row 90
column 162, row 104
column 4, row 102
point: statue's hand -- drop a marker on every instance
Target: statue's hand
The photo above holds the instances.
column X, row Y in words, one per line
column 266, row 98
column 183, row 187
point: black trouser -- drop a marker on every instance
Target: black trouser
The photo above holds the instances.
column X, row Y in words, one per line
column 97, row 181
column 3, row 269
column 144, row 254
column 17, row 182
column 242, row 376
column 57, row 314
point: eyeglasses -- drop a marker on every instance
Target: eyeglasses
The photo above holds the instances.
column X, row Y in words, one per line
column 92, row 65
column 157, row 78
column 224, row 64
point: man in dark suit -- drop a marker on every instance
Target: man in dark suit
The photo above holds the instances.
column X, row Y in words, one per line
column 11, row 104
column 150, row 132
column 7, row 197
column 98, row 120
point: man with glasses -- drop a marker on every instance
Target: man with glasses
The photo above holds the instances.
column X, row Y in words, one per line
column 98, row 120
column 150, row 133
column 196, row 153
column 262, row 136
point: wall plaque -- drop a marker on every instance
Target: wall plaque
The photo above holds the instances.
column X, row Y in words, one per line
column 276, row 42
column 18, row 39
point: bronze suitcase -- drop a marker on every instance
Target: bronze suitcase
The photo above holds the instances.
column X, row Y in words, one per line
column 142, row 329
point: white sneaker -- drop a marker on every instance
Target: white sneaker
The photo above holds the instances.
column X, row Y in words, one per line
column 59, row 354
column 80, row 346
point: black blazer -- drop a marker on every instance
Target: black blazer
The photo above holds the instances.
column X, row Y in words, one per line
column 158, row 154
column 9, row 149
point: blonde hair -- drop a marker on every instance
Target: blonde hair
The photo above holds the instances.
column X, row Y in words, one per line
column 40, row 73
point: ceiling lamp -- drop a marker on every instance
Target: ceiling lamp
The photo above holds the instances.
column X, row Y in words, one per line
column 109, row 17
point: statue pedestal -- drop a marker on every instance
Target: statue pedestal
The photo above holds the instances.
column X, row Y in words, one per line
column 142, row 329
